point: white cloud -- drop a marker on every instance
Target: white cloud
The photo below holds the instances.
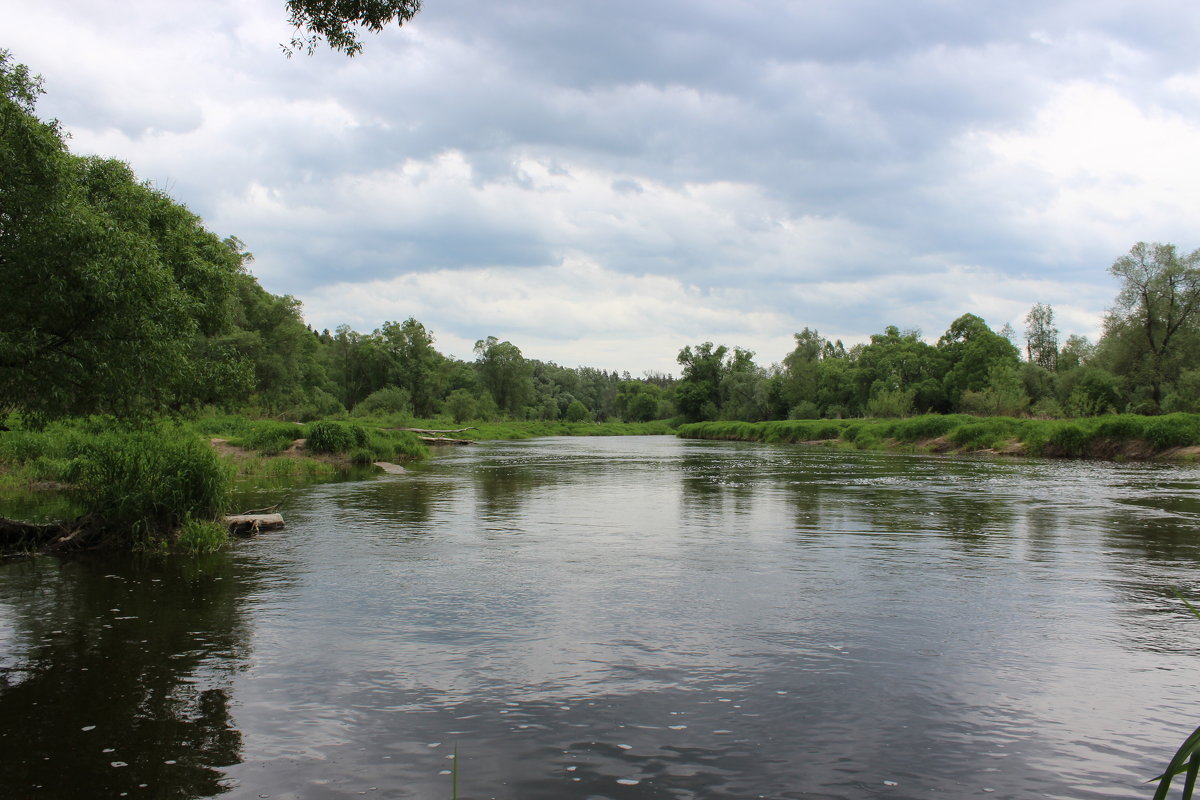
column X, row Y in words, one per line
column 696, row 172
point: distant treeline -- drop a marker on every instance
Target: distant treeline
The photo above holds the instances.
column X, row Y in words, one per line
column 118, row 300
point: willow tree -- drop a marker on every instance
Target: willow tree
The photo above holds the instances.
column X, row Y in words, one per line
column 1153, row 328
column 108, row 284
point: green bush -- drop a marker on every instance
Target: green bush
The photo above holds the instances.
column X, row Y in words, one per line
column 1173, row 430
column 201, row 536
column 334, row 437
column 269, row 437
column 1069, row 439
column 389, row 400
column 146, row 483
column 927, row 426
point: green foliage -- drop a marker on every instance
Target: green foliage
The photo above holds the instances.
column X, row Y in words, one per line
column 975, row 353
column 1091, row 391
column 577, row 412
column 984, row 434
column 890, row 403
column 1041, row 337
column 269, row 437
column 1173, row 430
column 505, row 374
column 337, row 23
column 145, row 483
column 1064, row 438
column 389, row 400
column 413, row 363
column 461, row 406
column 200, row 536
column 135, row 277
column 334, row 437
column 1153, row 331
column 927, row 426
column 639, row 401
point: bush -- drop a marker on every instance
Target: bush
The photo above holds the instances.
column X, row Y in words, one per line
column 389, row 400
column 927, row 426
column 1069, row 439
column 805, row 409
column 334, row 437
column 578, row 412
column 201, row 536
column 148, row 483
column 1173, row 430
column 269, row 437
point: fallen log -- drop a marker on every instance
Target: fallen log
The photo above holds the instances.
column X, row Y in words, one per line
column 443, row 440
column 251, row 524
column 25, row 538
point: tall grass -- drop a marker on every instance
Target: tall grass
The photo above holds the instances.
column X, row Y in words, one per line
column 142, row 484
column 1096, row 437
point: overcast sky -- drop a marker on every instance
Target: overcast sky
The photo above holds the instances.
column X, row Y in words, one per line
column 603, row 183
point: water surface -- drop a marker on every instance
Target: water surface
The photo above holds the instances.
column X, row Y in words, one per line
column 631, row 618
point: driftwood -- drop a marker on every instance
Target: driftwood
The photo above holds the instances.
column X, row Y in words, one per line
column 251, row 524
column 432, row 430
column 443, row 440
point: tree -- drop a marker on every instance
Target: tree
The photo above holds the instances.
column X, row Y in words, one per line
column 638, row 401
column 415, row 362
column 1076, row 352
column 1155, row 312
column 698, row 392
column 505, row 374
column 892, row 362
column 107, row 283
column 973, row 350
column 337, row 22
column 1041, row 337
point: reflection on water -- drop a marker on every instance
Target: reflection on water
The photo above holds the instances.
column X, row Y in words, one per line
column 115, row 676
column 631, row 618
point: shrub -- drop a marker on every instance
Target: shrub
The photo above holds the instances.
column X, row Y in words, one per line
column 201, row 536
column 805, row 409
column 578, row 412
column 927, row 426
column 147, row 483
column 269, row 437
column 1069, row 439
column 334, row 437
column 1173, row 430
column 389, row 400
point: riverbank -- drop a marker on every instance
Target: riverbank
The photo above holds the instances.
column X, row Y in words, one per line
column 96, row 483
column 1125, row 437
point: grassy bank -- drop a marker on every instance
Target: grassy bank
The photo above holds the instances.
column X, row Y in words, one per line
column 1124, row 436
column 152, row 487
column 162, row 485
column 488, row 431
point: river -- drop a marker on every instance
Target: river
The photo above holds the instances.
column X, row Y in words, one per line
column 630, row 618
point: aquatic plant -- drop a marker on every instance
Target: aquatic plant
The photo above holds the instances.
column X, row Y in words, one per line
column 1187, row 757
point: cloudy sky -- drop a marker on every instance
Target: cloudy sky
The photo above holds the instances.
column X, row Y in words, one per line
column 604, row 183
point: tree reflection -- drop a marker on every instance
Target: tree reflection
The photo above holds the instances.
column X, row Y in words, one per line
column 115, row 676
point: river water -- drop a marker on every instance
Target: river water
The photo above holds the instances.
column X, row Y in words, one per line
column 630, row 618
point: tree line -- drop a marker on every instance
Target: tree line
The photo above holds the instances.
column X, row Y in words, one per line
column 118, row 300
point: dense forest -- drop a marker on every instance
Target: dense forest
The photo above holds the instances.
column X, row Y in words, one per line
column 119, row 301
